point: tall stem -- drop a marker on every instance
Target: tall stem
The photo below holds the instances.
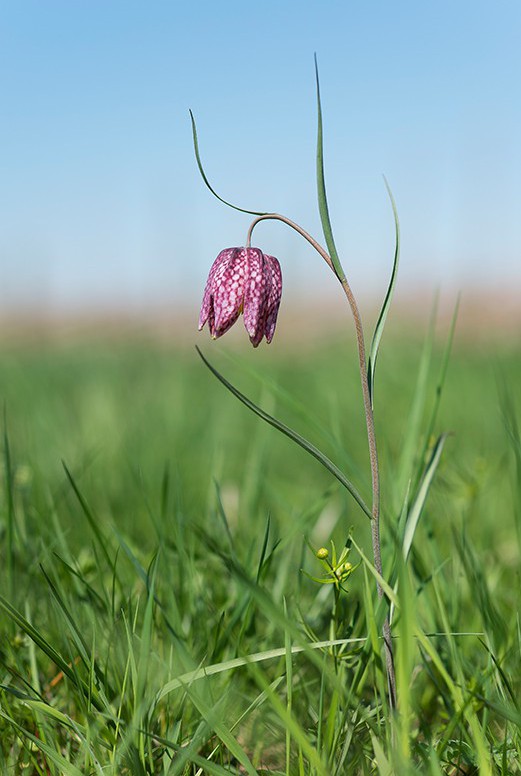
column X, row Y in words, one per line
column 371, row 436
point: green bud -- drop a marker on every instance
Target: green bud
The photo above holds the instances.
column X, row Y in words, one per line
column 322, row 553
column 343, row 571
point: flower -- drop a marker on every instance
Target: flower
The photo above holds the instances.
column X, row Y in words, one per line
column 242, row 280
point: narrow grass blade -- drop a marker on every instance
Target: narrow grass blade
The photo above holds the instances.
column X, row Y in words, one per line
column 146, row 633
column 321, row 189
column 387, row 589
column 36, row 636
column 377, row 336
column 419, row 502
column 84, row 587
column 510, row 421
column 290, row 722
column 47, row 648
column 462, row 705
column 75, row 630
column 188, row 754
column 10, row 508
column 253, row 706
column 405, row 657
column 102, row 541
column 383, row 764
column 256, row 657
column 54, row 756
column 413, row 439
column 441, row 381
column 297, row 438
column 289, row 690
column 214, row 719
column 264, row 550
column 496, row 626
column 207, row 182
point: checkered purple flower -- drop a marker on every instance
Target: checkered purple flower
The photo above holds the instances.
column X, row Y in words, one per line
column 242, row 280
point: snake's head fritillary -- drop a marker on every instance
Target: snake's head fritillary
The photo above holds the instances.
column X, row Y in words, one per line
column 242, row 280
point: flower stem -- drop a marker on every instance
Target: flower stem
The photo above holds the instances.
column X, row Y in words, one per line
column 371, row 435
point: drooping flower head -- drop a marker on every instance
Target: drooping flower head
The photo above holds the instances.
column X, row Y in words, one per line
column 242, row 280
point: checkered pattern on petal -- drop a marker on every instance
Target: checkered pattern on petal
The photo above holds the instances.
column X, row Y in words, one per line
column 274, row 296
column 224, row 292
column 256, row 295
column 242, row 280
column 228, row 294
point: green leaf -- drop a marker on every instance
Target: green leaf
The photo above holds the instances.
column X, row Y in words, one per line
column 256, row 657
column 377, row 336
column 409, row 466
column 35, row 635
column 213, row 716
column 11, row 522
column 91, row 518
column 419, row 502
column 207, row 182
column 321, row 190
column 441, row 379
column 297, row 438
column 66, row 767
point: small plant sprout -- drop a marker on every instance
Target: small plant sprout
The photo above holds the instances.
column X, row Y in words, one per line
column 246, row 280
column 337, row 570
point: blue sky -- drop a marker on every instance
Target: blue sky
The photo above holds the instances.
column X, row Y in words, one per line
column 101, row 204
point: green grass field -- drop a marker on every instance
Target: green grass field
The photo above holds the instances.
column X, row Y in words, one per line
column 156, row 617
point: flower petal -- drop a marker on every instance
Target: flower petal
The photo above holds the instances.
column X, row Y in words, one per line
column 214, row 275
column 274, row 296
column 256, row 295
column 228, row 291
column 224, row 291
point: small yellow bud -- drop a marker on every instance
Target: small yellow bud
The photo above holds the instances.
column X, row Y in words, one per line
column 343, row 571
column 322, row 553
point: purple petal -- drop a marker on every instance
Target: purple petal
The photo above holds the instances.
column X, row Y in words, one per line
column 274, row 296
column 223, row 293
column 256, row 295
column 228, row 295
column 215, row 270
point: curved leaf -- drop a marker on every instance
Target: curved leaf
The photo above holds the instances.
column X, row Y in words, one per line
column 247, row 660
column 377, row 336
column 321, row 190
column 419, row 502
column 207, row 182
column 300, row 440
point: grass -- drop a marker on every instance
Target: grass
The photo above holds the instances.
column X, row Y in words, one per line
column 155, row 615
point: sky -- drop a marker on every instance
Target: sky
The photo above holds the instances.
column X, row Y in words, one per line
column 101, row 204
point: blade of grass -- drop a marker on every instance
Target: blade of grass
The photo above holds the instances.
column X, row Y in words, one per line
column 48, row 649
column 412, row 440
column 289, row 691
column 66, row 767
column 8, row 479
column 439, row 385
column 462, row 705
column 290, row 722
column 377, row 336
column 419, row 502
column 102, row 541
column 213, row 717
column 256, row 657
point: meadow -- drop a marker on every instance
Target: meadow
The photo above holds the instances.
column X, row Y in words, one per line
column 159, row 612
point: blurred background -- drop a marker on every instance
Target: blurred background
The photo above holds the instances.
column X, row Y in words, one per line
column 104, row 215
